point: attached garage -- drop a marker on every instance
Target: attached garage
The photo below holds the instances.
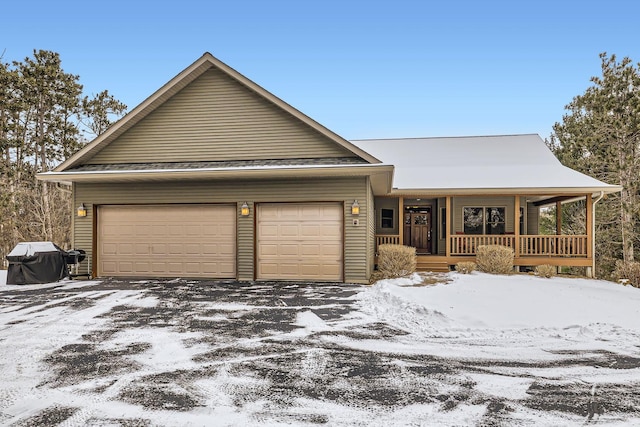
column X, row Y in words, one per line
column 300, row 241
column 162, row 190
column 167, row 241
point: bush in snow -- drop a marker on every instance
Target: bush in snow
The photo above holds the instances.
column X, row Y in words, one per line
column 628, row 271
column 495, row 259
column 465, row 267
column 546, row 270
column 395, row 261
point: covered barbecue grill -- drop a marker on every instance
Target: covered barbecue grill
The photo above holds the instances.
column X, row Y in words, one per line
column 36, row 262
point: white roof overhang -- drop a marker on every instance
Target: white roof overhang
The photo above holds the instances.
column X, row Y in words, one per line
column 381, row 175
column 492, row 165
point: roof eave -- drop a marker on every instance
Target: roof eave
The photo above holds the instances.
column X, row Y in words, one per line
column 508, row 191
column 382, row 175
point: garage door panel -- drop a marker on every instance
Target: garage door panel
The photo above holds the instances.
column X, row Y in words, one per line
column 266, row 250
column 159, row 249
column 192, row 230
column 332, row 251
column 310, row 230
column 308, row 250
column 288, row 250
column 174, row 267
column 125, row 249
column 300, row 241
column 110, row 248
column 142, row 249
column 167, row 240
column 331, row 231
column 227, row 249
column 124, row 266
column 288, row 231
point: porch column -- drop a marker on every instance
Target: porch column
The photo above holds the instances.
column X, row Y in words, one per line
column 516, row 227
column 591, row 231
column 558, row 218
column 447, row 228
column 401, row 219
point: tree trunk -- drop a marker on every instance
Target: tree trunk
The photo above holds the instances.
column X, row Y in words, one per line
column 627, row 226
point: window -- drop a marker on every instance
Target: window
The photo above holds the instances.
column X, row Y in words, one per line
column 484, row 220
column 443, row 223
column 386, row 218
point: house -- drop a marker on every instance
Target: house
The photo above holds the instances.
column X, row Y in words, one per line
column 213, row 176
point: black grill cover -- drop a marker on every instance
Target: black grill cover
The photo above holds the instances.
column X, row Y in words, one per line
column 36, row 262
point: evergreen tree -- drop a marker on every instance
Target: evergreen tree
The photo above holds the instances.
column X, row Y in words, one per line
column 43, row 120
column 600, row 135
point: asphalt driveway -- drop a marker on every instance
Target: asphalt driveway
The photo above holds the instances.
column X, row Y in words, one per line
column 138, row 353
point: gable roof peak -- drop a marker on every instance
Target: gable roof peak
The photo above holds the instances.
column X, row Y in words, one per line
column 173, row 86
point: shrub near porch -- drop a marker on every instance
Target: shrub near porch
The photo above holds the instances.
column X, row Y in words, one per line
column 394, row 261
column 495, row 259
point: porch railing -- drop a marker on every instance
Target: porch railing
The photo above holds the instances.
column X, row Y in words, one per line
column 530, row 245
column 552, row 245
column 384, row 239
column 466, row 244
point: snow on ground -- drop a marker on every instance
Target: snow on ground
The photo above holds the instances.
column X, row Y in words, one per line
column 474, row 349
column 505, row 316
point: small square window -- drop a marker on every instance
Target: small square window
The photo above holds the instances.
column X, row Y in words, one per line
column 386, row 218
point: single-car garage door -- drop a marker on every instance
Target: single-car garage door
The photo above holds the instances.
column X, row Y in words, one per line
column 167, row 241
column 300, row 241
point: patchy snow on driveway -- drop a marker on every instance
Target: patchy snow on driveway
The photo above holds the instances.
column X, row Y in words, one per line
column 474, row 349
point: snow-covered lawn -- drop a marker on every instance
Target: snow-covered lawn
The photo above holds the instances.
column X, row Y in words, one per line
column 472, row 350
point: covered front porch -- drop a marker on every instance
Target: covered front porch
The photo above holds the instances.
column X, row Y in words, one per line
column 446, row 230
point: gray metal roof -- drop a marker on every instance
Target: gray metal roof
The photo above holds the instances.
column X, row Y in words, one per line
column 507, row 162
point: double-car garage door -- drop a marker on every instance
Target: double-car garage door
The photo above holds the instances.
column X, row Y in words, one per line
column 293, row 241
column 167, row 241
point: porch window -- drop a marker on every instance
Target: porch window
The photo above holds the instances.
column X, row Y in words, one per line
column 386, row 218
column 484, row 220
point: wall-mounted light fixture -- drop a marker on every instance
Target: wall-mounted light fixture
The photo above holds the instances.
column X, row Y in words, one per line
column 82, row 211
column 355, row 208
column 244, row 209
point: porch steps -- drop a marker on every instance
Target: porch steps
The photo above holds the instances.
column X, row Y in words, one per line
column 433, row 266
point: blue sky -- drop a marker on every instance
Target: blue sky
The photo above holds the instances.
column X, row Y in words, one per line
column 364, row 69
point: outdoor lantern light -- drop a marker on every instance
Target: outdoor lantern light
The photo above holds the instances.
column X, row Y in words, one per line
column 244, row 209
column 355, row 208
column 82, row 211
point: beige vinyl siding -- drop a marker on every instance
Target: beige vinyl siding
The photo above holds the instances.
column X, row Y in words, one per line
column 343, row 190
column 371, row 230
column 458, row 203
column 215, row 118
column 246, row 257
column 82, row 233
column 533, row 218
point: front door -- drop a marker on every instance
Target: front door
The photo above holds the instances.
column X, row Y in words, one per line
column 417, row 230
